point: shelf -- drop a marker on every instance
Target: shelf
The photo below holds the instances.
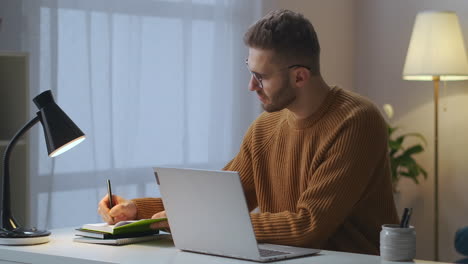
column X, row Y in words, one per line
column 14, row 109
column 4, row 143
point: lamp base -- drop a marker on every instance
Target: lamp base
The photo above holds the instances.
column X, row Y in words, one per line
column 22, row 236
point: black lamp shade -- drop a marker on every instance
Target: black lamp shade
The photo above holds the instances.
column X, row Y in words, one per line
column 60, row 132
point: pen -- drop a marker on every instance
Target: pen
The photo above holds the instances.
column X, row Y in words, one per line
column 109, row 193
column 403, row 217
column 408, row 216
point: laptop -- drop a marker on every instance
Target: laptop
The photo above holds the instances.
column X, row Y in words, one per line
column 208, row 213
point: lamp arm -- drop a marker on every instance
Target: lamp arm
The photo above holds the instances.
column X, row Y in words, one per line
column 6, row 218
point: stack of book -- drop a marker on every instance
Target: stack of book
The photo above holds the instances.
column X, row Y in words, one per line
column 124, row 232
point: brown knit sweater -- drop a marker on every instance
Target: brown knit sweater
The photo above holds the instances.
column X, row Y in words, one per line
column 323, row 182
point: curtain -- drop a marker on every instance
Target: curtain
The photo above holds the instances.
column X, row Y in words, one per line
column 151, row 83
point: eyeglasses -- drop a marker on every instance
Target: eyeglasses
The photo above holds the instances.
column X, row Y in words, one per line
column 258, row 77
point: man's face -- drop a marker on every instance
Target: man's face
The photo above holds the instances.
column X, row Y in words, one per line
column 277, row 92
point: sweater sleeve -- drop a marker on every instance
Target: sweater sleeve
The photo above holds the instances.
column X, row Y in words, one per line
column 334, row 188
column 242, row 163
column 147, row 207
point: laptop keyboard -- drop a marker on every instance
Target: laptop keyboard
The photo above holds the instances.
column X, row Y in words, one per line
column 271, row 253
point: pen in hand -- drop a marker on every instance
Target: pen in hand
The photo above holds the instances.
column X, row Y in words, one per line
column 109, row 193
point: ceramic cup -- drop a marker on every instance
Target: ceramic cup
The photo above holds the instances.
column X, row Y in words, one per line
column 397, row 243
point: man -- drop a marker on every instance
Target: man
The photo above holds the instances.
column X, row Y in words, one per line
column 315, row 162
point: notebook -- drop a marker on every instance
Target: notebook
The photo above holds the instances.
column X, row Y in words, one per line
column 122, row 227
column 103, row 235
column 116, row 241
column 208, row 214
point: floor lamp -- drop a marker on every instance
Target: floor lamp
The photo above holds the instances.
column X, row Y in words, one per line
column 436, row 53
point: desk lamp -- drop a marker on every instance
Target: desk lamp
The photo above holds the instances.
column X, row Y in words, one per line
column 436, row 53
column 61, row 134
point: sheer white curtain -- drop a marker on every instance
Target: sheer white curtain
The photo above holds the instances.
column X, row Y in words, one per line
column 149, row 82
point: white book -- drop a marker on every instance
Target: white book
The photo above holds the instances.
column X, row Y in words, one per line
column 116, row 241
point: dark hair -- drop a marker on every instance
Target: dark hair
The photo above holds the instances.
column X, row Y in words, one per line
column 289, row 34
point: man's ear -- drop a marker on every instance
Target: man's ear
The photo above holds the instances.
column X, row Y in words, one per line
column 302, row 75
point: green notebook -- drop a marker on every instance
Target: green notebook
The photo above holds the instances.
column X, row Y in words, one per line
column 123, row 227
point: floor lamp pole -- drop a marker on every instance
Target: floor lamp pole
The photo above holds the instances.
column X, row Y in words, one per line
column 436, row 80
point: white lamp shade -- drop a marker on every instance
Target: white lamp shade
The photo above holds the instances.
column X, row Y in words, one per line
column 436, row 48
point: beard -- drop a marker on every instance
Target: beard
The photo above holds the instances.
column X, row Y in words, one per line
column 281, row 99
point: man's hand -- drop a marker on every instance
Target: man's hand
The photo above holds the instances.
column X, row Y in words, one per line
column 122, row 210
column 160, row 225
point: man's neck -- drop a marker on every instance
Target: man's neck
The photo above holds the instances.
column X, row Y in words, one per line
column 310, row 98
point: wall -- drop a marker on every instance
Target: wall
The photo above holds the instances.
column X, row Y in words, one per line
column 383, row 31
column 334, row 22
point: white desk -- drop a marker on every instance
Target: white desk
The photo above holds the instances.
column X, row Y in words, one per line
column 62, row 250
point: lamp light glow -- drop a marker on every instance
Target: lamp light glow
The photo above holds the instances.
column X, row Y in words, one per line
column 67, row 147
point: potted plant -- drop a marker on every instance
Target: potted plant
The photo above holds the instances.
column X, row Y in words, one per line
column 402, row 163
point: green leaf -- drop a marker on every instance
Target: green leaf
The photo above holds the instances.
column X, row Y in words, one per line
column 402, row 163
column 423, row 172
column 413, row 150
column 396, row 144
column 408, row 167
column 391, row 130
column 418, row 135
